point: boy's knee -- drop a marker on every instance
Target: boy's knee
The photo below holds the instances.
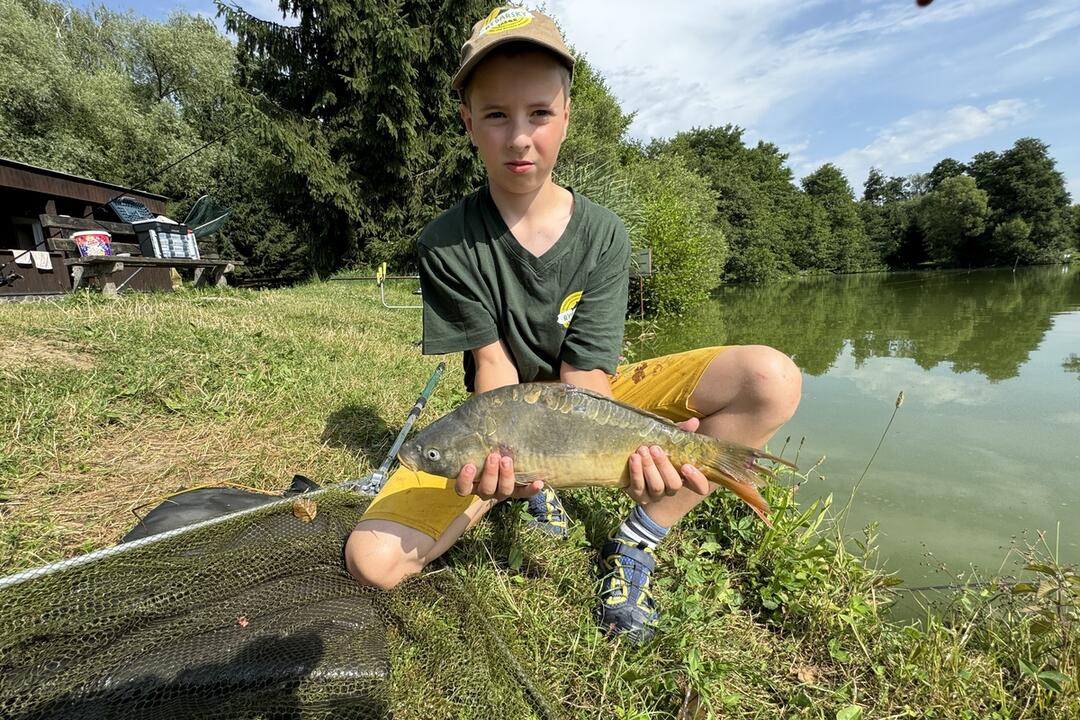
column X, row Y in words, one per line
column 773, row 382
column 374, row 562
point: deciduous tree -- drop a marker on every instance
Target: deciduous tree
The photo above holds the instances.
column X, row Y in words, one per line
column 1023, row 182
column 848, row 248
column 952, row 217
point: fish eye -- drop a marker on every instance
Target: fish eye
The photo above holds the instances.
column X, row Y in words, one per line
column 432, row 454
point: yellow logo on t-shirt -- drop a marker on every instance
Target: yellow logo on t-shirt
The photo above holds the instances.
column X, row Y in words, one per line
column 566, row 310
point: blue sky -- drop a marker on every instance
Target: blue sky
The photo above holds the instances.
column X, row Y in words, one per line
column 853, row 82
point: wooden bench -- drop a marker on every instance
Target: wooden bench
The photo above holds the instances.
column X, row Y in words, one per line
column 106, row 268
column 209, row 270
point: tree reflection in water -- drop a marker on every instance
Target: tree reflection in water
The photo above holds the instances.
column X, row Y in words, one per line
column 988, row 321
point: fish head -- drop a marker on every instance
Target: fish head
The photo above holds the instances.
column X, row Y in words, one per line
column 442, row 449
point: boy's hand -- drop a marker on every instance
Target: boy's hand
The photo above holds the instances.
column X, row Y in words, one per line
column 652, row 476
column 495, row 481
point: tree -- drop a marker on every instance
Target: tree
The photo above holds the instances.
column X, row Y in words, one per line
column 945, row 169
column 848, row 247
column 757, row 202
column 1012, row 238
column 1023, row 182
column 916, row 185
column 886, row 212
column 362, row 117
column 874, row 187
column 67, row 104
column 1074, row 212
column 952, row 217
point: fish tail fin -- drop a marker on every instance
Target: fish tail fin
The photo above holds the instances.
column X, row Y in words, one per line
column 747, row 492
column 735, row 467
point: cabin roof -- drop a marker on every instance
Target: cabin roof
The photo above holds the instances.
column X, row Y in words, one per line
column 23, row 176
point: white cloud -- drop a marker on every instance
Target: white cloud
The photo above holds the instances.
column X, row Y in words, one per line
column 885, row 376
column 704, row 63
column 265, row 9
column 1051, row 20
column 923, row 136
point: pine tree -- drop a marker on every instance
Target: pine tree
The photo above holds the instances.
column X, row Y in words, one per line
column 364, row 117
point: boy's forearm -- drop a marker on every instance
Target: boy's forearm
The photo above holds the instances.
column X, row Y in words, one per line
column 595, row 380
column 494, row 368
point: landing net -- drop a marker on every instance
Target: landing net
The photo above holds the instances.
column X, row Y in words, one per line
column 251, row 616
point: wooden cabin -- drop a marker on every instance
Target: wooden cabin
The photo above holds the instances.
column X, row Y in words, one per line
column 39, row 208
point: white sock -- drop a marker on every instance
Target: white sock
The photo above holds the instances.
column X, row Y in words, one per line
column 640, row 529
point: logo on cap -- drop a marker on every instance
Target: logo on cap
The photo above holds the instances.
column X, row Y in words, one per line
column 503, row 19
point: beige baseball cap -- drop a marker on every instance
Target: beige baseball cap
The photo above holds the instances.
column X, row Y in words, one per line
column 509, row 24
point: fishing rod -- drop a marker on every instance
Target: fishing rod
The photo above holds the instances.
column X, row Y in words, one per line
column 1003, row 584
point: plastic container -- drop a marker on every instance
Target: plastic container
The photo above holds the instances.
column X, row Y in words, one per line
column 93, row 243
column 166, row 240
column 130, row 210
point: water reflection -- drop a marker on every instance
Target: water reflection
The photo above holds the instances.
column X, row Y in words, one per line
column 985, row 445
column 1072, row 364
column 983, row 321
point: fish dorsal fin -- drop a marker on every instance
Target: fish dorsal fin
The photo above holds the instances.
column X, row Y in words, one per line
column 620, row 403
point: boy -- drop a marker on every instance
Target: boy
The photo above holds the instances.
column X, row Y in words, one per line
column 529, row 280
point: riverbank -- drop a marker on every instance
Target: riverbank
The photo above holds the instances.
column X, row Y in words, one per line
column 112, row 405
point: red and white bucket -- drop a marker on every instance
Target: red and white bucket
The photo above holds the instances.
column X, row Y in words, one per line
column 93, row 243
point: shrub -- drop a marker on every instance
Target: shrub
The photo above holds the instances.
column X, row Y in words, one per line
column 677, row 222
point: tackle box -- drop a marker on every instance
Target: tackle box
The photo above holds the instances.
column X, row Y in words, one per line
column 166, row 240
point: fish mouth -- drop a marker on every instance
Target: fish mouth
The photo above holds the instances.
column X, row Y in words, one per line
column 407, row 461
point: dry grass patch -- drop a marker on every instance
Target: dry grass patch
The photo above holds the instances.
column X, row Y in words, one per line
column 26, row 351
column 94, row 495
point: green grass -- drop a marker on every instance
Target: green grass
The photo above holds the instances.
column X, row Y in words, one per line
column 111, row 405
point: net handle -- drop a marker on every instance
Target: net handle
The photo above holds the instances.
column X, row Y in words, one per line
column 78, row 560
column 378, row 478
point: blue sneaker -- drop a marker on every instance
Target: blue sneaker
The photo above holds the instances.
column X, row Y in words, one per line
column 627, row 605
column 549, row 515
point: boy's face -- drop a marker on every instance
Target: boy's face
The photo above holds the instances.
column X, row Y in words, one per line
column 517, row 115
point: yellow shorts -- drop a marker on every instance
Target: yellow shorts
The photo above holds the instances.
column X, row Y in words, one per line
column 663, row 385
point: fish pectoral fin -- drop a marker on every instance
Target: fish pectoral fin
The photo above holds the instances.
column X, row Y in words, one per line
column 527, row 478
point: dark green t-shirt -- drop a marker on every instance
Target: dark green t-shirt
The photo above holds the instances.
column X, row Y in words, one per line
column 480, row 285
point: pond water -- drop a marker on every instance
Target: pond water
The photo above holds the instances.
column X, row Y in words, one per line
column 987, row 442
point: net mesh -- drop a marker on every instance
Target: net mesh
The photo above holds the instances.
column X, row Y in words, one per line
column 252, row 617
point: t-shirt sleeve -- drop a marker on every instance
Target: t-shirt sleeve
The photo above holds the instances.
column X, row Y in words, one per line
column 594, row 339
column 456, row 318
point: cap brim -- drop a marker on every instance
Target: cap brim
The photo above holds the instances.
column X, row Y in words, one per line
column 463, row 72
